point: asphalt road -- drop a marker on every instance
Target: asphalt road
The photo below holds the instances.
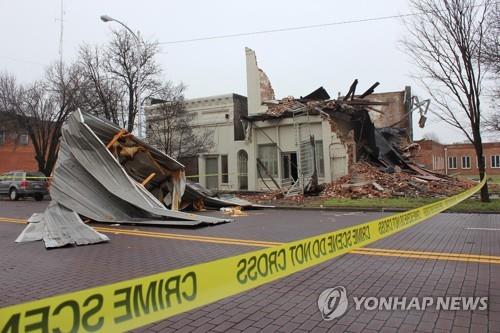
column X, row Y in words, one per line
column 448, row 255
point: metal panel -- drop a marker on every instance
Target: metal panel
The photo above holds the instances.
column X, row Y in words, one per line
column 87, row 180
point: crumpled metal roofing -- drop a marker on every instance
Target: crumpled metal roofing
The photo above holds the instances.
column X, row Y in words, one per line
column 89, row 181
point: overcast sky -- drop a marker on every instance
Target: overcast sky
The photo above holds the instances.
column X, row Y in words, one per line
column 296, row 62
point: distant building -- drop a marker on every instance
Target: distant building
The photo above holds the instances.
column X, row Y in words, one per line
column 16, row 150
column 458, row 158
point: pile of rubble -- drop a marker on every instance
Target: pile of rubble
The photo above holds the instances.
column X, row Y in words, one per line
column 367, row 181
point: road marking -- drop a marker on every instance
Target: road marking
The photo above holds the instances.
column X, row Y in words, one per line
column 193, row 236
column 490, row 229
column 234, row 241
column 428, row 255
column 218, row 240
column 3, row 219
column 449, row 254
column 151, row 234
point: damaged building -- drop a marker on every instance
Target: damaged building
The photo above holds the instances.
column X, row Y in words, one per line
column 262, row 143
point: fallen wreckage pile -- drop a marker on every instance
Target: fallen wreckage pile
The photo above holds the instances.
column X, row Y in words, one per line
column 367, row 181
column 106, row 175
column 380, row 150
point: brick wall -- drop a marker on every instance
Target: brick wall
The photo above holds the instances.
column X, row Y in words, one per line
column 431, row 155
column 460, row 158
column 16, row 153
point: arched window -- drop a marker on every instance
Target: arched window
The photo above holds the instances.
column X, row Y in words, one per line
column 242, row 170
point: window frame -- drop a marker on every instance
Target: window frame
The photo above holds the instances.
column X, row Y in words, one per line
column 210, row 175
column 21, row 139
column 224, row 174
column 452, row 158
column 469, row 163
column 495, row 161
column 320, row 160
column 275, row 170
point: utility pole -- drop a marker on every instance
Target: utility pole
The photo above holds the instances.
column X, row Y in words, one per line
column 61, row 19
column 106, row 18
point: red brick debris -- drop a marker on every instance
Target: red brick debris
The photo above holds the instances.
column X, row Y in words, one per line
column 368, row 181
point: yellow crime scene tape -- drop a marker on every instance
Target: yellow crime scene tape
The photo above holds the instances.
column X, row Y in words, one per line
column 22, row 178
column 140, row 301
column 216, row 174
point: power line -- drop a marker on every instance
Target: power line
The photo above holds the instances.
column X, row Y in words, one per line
column 304, row 27
column 260, row 32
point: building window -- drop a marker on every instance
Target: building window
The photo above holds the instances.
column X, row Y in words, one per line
column 242, row 170
column 224, row 169
column 452, row 162
column 212, row 172
column 268, row 155
column 2, row 137
column 495, row 161
column 23, row 139
column 465, row 162
column 320, row 162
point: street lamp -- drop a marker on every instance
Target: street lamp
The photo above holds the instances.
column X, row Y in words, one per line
column 105, row 19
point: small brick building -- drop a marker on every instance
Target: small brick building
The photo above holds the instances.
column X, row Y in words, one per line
column 16, row 151
column 458, row 158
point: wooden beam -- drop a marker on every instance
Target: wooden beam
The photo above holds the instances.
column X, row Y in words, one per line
column 259, row 162
column 147, row 180
column 116, row 137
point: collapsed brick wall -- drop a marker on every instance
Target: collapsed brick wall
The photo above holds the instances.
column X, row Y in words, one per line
column 346, row 137
column 266, row 89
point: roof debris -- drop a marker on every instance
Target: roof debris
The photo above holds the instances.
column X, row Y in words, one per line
column 129, row 182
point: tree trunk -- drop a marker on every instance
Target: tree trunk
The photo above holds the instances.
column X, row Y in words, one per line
column 52, row 151
column 478, row 146
column 131, row 113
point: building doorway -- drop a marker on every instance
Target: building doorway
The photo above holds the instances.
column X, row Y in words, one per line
column 289, row 166
column 242, row 170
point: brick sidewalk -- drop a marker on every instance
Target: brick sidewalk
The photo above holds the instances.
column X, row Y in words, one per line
column 290, row 304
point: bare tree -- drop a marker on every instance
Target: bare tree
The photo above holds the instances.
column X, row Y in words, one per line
column 491, row 60
column 100, row 94
column 171, row 128
column 120, row 61
column 492, row 123
column 491, row 56
column 41, row 108
column 431, row 136
column 446, row 40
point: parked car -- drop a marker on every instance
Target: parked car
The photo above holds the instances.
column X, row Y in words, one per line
column 20, row 184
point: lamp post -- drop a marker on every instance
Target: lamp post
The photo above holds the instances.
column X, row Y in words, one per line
column 106, row 18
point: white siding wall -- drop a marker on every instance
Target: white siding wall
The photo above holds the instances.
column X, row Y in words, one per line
column 211, row 113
